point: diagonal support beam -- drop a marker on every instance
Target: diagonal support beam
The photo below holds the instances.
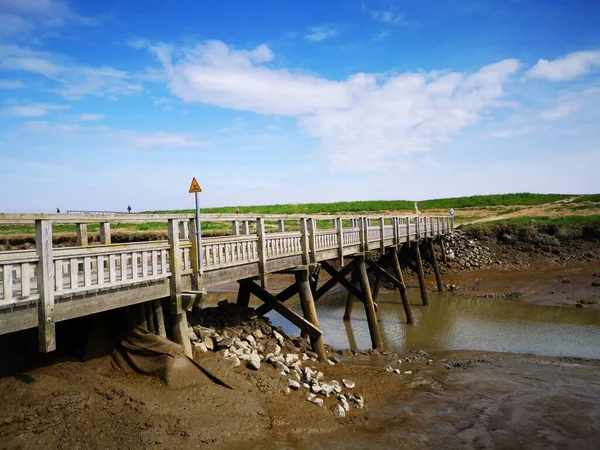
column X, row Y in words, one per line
column 380, row 270
column 342, row 279
column 283, row 296
column 335, row 279
column 290, row 315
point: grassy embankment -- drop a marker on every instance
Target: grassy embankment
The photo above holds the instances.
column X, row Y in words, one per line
column 468, row 208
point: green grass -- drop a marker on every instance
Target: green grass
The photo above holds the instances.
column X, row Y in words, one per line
column 521, row 199
column 584, row 207
column 588, row 198
column 508, row 211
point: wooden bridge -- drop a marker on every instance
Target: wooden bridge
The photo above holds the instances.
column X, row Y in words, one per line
column 41, row 287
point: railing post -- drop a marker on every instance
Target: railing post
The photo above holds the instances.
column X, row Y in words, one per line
column 105, row 233
column 417, row 229
column 395, row 225
column 340, row 236
column 382, row 234
column 425, row 227
column 180, row 324
column 363, row 234
column 281, row 226
column 45, row 285
column 245, row 227
column 262, row 250
column 312, row 228
column 304, row 241
column 184, row 231
column 82, row 236
column 235, row 228
column 196, row 279
column 408, row 230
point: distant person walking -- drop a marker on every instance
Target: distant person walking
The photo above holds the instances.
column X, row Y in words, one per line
column 57, row 211
column 129, row 209
column 451, row 212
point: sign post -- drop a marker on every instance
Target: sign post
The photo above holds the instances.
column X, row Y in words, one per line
column 195, row 189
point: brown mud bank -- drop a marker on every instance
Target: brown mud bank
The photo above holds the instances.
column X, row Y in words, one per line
column 459, row 400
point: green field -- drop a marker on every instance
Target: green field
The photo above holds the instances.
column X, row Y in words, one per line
column 519, row 199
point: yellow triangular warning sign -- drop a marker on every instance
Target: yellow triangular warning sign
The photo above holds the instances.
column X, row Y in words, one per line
column 194, row 187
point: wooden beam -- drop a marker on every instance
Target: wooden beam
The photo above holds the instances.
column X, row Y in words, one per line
column 160, row 318
column 105, row 233
column 290, row 315
column 334, row 279
column 262, row 251
column 243, row 298
column 350, row 298
column 310, row 312
column 436, row 269
column 402, row 288
column 443, row 247
column 341, row 279
column 82, row 235
column 283, row 296
column 45, row 285
column 421, row 275
column 369, row 307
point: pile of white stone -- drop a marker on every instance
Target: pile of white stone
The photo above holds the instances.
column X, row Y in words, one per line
column 290, row 357
column 420, row 356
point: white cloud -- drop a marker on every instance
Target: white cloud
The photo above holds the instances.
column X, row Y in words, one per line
column 564, row 109
column 117, row 138
column 568, row 67
column 88, row 117
column 33, row 110
column 22, row 17
column 318, row 34
column 511, row 132
column 73, row 81
column 361, row 122
column 10, row 84
column 392, row 16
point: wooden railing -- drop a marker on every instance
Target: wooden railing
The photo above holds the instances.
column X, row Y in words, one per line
column 69, row 271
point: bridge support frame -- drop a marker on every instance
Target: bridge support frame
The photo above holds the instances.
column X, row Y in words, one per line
column 436, row 269
column 421, row 274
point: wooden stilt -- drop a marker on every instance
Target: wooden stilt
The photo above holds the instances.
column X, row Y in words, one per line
column 350, row 299
column 243, row 298
column 369, row 307
column 421, row 275
column 150, row 317
column 140, row 312
column 402, row 288
column 436, row 269
column 376, row 287
column 350, row 333
column 310, row 312
column 160, row 318
column 314, row 284
column 444, row 256
column 283, row 296
column 181, row 333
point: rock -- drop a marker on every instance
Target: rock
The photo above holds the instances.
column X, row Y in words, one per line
column 202, row 332
column 348, row 384
column 306, row 385
column 319, row 376
column 291, row 358
column 408, row 372
column 397, row 371
column 250, row 340
column 312, row 355
column 335, row 359
column 330, row 362
column 339, row 411
column 279, row 338
column 327, row 389
column 280, row 366
column 224, row 343
column 272, row 348
column 293, row 384
column 192, row 336
column 315, row 388
column 210, row 344
column 389, row 369
column 358, row 401
column 345, row 404
column 257, row 334
column 200, row 346
column 423, row 353
column 233, row 360
column 254, row 362
column 305, row 357
column 430, row 361
column 224, row 353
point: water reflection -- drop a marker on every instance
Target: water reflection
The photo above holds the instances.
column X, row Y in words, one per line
column 452, row 323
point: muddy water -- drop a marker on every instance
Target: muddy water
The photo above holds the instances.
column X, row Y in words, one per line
column 458, row 323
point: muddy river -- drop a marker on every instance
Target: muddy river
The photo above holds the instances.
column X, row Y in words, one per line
column 457, row 323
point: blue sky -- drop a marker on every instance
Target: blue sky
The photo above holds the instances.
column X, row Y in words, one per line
column 105, row 104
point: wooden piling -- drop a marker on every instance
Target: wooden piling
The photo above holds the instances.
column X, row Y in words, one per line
column 243, row 298
column 443, row 247
column 140, row 313
column 150, row 317
column 45, row 285
column 403, row 295
column 436, row 269
column 105, row 238
column 369, row 307
column 310, row 312
column 160, row 318
column 350, row 299
column 82, row 235
column 421, row 274
column 376, row 287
